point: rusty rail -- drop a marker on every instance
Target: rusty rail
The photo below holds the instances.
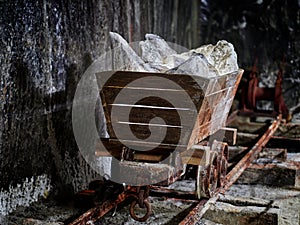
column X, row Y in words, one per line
column 196, row 214
column 240, row 167
column 94, row 214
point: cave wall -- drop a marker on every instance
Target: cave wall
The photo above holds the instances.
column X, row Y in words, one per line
column 47, row 45
column 45, row 48
column 266, row 31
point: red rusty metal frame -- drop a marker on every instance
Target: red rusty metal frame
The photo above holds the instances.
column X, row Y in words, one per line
column 95, row 213
column 251, row 93
column 196, row 214
column 99, row 211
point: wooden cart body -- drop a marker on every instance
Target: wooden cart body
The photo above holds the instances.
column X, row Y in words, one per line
column 206, row 103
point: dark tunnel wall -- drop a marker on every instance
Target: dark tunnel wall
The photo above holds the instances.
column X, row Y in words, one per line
column 264, row 30
column 47, row 45
column 45, row 48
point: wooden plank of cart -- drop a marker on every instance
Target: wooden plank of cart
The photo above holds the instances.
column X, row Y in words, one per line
column 156, row 124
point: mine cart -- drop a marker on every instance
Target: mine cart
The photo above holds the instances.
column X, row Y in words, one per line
column 158, row 123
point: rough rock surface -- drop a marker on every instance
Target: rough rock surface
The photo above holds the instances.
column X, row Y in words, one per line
column 197, row 64
column 24, row 194
column 157, row 55
column 155, row 49
column 287, row 200
column 222, row 56
column 124, row 57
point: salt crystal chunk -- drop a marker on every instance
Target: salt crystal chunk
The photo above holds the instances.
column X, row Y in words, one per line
column 222, row 56
column 154, row 49
column 175, row 60
column 157, row 56
column 124, row 57
column 152, row 37
column 197, row 64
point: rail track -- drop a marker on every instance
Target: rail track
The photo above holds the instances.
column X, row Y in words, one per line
column 202, row 205
column 195, row 215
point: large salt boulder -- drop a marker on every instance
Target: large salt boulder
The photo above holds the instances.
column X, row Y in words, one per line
column 196, row 64
column 155, row 49
column 221, row 56
column 155, row 55
column 124, row 57
column 174, row 60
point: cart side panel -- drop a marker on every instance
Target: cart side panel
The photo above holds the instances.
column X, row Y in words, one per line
column 133, row 118
column 215, row 106
column 129, row 121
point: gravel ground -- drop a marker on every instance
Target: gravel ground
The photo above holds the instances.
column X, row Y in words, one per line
column 287, row 200
column 164, row 211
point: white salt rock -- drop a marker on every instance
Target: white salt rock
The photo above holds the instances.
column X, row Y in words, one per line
column 175, row 60
column 204, row 49
column 160, row 68
column 197, row 64
column 124, row 57
column 222, row 56
column 154, row 49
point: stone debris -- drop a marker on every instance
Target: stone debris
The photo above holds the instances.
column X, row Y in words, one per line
column 225, row 213
column 287, row 200
column 155, row 55
column 155, row 49
column 221, row 56
column 124, row 57
column 197, row 64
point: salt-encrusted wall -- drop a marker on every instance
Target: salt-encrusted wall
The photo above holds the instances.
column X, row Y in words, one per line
column 45, row 48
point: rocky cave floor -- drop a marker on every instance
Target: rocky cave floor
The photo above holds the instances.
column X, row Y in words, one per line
column 285, row 202
column 279, row 201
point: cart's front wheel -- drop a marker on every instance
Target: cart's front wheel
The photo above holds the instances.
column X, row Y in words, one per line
column 207, row 180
